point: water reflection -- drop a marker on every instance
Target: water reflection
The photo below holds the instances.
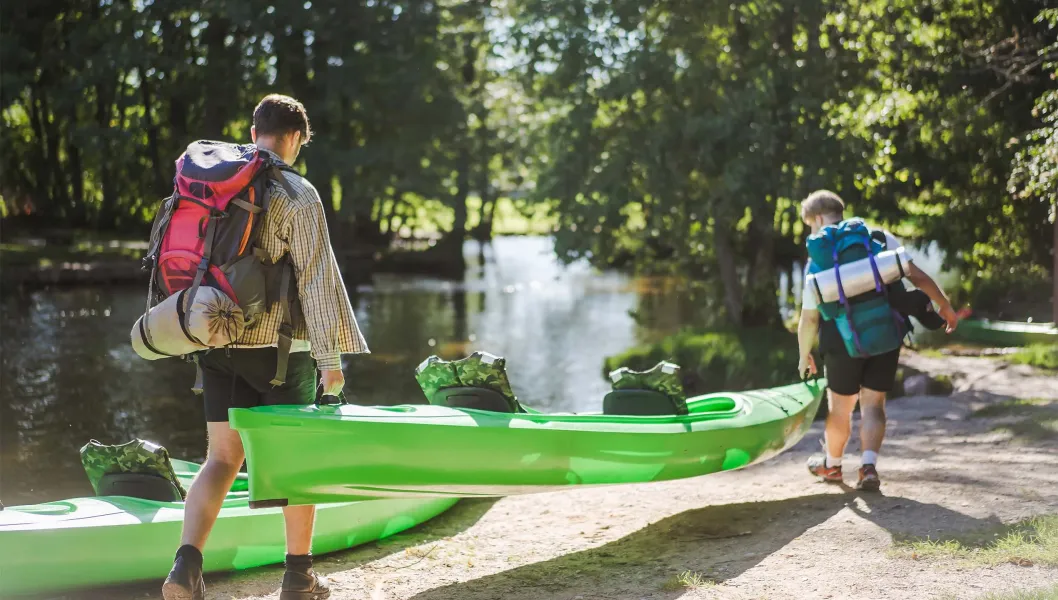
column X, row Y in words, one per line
column 69, row 374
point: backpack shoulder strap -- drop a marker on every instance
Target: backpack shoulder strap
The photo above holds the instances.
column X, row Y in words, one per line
column 879, row 236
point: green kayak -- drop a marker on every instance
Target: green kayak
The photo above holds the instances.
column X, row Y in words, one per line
column 82, row 542
column 422, row 451
column 1006, row 333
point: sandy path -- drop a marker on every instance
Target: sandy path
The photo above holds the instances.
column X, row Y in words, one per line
column 768, row 531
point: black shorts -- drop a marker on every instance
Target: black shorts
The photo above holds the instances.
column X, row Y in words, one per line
column 846, row 375
column 243, row 380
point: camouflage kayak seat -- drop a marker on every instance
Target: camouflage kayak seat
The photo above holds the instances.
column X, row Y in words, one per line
column 139, row 469
column 657, row 391
column 478, row 381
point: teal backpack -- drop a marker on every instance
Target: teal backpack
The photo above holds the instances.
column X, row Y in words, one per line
column 868, row 324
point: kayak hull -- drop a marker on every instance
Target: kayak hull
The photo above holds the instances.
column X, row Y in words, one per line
column 1006, row 333
column 425, row 451
column 86, row 542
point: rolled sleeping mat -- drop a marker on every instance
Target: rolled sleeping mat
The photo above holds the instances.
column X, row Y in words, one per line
column 213, row 319
column 857, row 277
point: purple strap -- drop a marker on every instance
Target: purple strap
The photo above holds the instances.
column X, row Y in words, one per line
column 843, row 300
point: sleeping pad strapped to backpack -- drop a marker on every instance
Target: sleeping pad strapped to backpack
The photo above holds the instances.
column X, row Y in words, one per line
column 867, row 322
column 205, row 235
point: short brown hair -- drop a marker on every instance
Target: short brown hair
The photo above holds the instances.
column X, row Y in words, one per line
column 281, row 115
column 822, row 203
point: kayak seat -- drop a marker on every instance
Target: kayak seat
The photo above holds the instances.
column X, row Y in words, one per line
column 638, row 403
column 139, row 485
column 473, row 397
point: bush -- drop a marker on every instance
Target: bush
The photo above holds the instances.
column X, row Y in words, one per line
column 715, row 361
column 1043, row 356
column 1008, row 295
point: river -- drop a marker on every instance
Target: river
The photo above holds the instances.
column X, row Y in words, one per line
column 69, row 374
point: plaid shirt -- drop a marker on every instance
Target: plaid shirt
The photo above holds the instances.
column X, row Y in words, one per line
column 298, row 226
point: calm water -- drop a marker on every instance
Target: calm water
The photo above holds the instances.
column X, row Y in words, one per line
column 69, row 374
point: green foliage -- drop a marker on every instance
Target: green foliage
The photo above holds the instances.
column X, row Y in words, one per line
column 1043, row 356
column 98, row 99
column 1015, row 293
column 688, row 132
column 719, row 360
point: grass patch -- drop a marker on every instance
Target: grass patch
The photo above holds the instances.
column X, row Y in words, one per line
column 1046, row 593
column 687, row 580
column 1042, row 356
column 1031, row 542
column 1013, row 408
column 713, row 361
column 1033, row 430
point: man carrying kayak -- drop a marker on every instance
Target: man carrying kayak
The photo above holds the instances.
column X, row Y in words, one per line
column 859, row 337
column 242, row 375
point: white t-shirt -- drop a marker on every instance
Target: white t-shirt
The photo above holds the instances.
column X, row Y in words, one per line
column 809, row 300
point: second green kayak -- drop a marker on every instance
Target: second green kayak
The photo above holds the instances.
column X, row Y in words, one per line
column 435, row 451
column 83, row 542
column 1006, row 333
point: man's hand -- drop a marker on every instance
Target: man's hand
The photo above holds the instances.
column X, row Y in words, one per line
column 807, row 365
column 333, row 382
column 947, row 313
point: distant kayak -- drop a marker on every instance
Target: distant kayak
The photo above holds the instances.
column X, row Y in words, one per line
column 84, row 542
column 1006, row 333
column 429, row 451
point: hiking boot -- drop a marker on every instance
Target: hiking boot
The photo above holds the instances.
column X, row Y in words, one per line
column 817, row 465
column 301, row 585
column 869, row 481
column 184, row 581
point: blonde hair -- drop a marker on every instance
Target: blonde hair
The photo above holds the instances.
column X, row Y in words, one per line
column 822, row 203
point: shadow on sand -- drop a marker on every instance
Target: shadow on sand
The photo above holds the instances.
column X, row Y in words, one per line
column 719, row 542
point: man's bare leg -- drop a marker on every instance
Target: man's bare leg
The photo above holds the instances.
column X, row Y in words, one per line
column 211, row 485
column 872, row 433
column 203, row 504
column 838, row 430
column 299, row 523
column 839, row 424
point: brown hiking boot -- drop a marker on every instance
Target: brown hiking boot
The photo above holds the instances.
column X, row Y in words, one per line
column 298, row 585
column 184, row 581
column 817, row 465
column 869, row 481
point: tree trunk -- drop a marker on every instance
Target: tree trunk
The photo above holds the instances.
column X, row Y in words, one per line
column 153, row 144
column 104, row 111
column 219, row 68
column 725, row 256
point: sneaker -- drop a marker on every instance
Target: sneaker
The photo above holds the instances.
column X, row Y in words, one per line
column 869, row 481
column 299, row 585
column 817, row 465
column 184, row 581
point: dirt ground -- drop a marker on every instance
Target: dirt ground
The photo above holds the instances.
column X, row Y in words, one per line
column 768, row 531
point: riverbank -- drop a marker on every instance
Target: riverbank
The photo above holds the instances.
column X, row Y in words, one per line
column 960, row 468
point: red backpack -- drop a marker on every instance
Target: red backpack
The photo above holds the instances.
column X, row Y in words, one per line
column 206, row 234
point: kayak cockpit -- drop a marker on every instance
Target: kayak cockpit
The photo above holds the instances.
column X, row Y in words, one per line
column 139, row 485
column 136, row 469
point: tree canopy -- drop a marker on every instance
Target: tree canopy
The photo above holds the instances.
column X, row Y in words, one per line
column 667, row 137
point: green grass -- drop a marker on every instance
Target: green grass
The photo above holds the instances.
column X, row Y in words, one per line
column 1046, row 593
column 1030, row 542
column 688, row 580
column 18, row 254
column 1042, row 356
column 1015, row 407
column 712, row 361
column 431, row 217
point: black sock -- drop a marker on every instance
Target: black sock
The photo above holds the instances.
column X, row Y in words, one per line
column 190, row 554
column 299, row 562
